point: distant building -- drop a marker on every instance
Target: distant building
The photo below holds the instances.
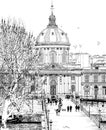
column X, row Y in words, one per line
column 83, row 59
column 93, row 79
column 63, row 76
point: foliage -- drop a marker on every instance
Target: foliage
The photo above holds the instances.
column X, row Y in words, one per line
column 17, row 54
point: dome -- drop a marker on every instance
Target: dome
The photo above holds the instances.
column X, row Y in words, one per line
column 52, row 35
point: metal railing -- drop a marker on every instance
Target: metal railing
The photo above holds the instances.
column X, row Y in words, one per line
column 98, row 119
column 46, row 115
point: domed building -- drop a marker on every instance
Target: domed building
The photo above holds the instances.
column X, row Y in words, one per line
column 62, row 77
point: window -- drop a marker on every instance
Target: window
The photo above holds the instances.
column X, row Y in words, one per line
column 86, row 90
column 41, row 57
column 64, row 57
column 95, row 78
column 104, row 90
column 73, row 77
column 53, row 56
column 96, row 89
column 103, row 77
column 60, row 79
column 72, row 88
column 86, row 78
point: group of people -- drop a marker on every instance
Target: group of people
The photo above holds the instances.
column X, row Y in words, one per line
column 77, row 107
column 58, row 101
column 49, row 100
column 69, row 108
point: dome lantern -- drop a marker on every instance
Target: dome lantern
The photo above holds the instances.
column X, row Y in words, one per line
column 52, row 18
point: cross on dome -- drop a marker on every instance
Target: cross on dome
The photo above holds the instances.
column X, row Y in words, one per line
column 52, row 7
column 52, row 17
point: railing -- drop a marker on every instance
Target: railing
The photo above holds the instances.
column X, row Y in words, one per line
column 103, row 126
column 84, row 110
column 95, row 119
column 46, row 115
column 98, row 119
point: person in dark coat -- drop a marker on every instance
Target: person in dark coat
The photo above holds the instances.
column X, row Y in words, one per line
column 48, row 100
column 70, row 108
column 67, row 108
column 56, row 111
column 76, row 107
column 55, row 102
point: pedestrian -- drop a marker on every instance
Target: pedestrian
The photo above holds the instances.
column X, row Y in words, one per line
column 59, row 109
column 70, row 108
column 50, row 102
column 56, row 111
column 67, row 108
column 76, row 107
column 55, row 102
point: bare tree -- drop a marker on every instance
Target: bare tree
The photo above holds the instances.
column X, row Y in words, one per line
column 17, row 51
column 17, row 57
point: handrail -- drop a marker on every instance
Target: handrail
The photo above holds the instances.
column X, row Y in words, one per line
column 46, row 114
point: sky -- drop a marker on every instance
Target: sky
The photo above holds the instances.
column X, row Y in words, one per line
column 84, row 21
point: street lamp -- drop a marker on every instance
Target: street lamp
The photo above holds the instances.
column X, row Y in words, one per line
column 99, row 117
column 51, row 124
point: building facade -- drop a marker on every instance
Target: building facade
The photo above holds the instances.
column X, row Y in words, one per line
column 63, row 77
column 93, row 81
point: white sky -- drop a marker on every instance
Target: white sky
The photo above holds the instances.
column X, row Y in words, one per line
column 83, row 20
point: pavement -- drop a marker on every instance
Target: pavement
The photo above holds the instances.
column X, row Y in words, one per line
column 70, row 120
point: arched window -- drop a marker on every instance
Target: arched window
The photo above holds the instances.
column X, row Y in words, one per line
column 64, row 57
column 104, row 90
column 61, row 80
column 103, row 77
column 96, row 91
column 95, row 78
column 53, row 87
column 86, row 90
column 87, row 78
column 72, row 88
column 41, row 57
column 53, row 57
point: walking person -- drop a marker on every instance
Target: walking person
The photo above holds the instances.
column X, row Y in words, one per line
column 56, row 111
column 76, row 107
column 70, row 108
column 67, row 108
column 50, row 102
column 56, row 102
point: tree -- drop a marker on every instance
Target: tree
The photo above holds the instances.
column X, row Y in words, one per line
column 17, row 51
column 17, row 57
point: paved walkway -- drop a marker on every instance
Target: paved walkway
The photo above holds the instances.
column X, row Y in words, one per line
column 70, row 120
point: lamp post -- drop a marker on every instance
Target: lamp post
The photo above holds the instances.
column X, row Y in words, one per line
column 99, row 117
